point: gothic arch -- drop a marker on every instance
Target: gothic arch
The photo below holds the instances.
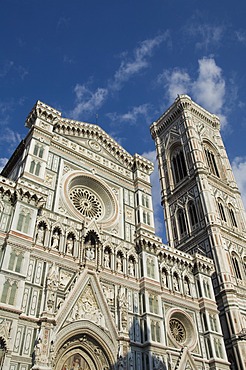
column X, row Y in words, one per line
column 86, row 341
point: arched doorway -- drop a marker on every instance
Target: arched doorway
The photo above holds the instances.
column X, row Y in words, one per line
column 82, row 352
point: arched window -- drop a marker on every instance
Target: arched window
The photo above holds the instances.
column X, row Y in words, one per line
column 235, row 262
column 221, row 211
column 232, row 216
column 178, row 165
column 181, row 222
column 211, row 162
column 24, row 221
column 38, row 150
column 192, row 213
column 9, row 292
column 15, row 261
column 35, row 168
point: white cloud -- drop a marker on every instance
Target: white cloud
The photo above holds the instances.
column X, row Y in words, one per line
column 177, row 80
column 87, row 100
column 156, row 195
column 239, row 170
column 129, row 68
column 3, row 161
column 208, row 89
column 133, row 115
column 10, row 137
column 90, row 101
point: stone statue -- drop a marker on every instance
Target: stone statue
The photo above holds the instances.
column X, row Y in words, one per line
column 40, row 235
column 55, row 240
column 70, row 246
column 106, row 259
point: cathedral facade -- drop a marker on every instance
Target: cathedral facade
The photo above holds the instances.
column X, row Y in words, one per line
column 85, row 282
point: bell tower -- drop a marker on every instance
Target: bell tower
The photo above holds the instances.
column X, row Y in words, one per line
column 203, row 208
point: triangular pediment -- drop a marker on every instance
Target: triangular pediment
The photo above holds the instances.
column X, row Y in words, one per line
column 86, row 302
column 172, row 138
column 94, row 139
column 186, row 361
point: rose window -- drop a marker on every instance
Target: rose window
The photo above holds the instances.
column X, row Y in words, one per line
column 85, row 202
column 177, row 330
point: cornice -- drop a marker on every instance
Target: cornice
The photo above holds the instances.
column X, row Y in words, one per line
column 181, row 104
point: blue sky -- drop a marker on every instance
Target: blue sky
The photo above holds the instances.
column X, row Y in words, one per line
column 125, row 61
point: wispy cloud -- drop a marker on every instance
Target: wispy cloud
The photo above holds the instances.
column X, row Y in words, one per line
column 209, row 35
column 239, row 170
column 208, row 89
column 3, row 161
column 10, row 137
column 133, row 115
column 10, row 66
column 63, row 22
column 241, row 36
column 139, row 61
column 68, row 60
column 87, row 100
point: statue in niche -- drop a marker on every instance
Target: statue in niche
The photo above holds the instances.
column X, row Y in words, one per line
column 69, row 246
column 186, row 287
column 55, row 240
column 107, row 259
column 40, row 234
column 90, row 251
column 164, row 278
column 131, row 268
column 119, row 263
column 175, row 283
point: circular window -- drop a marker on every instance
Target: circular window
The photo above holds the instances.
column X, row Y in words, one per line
column 88, row 197
column 177, row 330
column 181, row 329
column 86, row 202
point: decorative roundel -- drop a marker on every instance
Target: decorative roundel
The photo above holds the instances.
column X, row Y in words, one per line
column 177, row 330
column 86, row 202
column 181, row 329
column 88, row 197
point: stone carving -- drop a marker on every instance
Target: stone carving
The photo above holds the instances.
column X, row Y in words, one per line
column 86, row 308
column 131, row 267
column 55, row 240
column 52, row 286
column 123, row 308
column 69, row 246
column 119, row 263
column 107, row 259
column 40, row 235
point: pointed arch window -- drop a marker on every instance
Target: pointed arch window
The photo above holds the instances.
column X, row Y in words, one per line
column 192, row 213
column 38, row 150
column 232, row 217
column 178, row 165
column 35, row 168
column 212, row 162
column 24, row 221
column 181, row 222
column 221, row 211
column 235, row 262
